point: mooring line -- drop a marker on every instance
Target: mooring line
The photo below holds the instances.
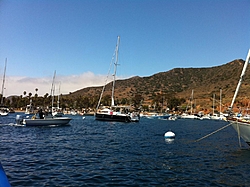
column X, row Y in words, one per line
column 213, row 132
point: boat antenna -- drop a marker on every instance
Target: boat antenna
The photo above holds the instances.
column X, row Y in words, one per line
column 116, row 63
column 240, row 81
column 3, row 80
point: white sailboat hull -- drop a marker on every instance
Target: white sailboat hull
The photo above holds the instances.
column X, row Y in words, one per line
column 243, row 129
column 4, row 111
column 188, row 116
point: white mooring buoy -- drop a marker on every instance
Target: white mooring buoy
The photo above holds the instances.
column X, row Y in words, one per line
column 169, row 135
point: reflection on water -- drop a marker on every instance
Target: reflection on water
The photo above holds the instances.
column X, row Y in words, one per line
column 94, row 153
column 169, row 140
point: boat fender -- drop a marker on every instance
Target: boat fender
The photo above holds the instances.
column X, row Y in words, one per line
column 4, row 182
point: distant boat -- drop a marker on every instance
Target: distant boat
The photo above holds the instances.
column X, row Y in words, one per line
column 241, row 125
column 216, row 116
column 73, row 112
column 135, row 117
column 4, row 110
column 158, row 116
column 186, row 115
column 115, row 113
column 56, row 111
column 29, row 109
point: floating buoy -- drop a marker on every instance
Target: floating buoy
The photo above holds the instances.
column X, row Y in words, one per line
column 169, row 135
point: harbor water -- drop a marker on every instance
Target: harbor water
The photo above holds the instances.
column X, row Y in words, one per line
column 94, row 153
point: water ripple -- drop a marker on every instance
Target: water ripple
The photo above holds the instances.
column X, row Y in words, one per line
column 93, row 153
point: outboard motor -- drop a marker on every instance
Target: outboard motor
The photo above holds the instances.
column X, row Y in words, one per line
column 19, row 119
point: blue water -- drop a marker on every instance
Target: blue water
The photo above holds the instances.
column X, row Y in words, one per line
column 94, row 153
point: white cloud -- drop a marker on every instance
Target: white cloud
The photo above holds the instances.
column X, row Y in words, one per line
column 17, row 85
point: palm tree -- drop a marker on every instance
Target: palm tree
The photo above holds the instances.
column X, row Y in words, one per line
column 45, row 98
column 36, row 95
column 24, row 93
column 30, row 94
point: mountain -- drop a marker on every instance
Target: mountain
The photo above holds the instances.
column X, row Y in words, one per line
column 179, row 83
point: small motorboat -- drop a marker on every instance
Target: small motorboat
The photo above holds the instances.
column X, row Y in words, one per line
column 46, row 121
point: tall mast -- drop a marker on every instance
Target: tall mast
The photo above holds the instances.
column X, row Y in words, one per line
column 116, row 63
column 53, row 90
column 3, row 80
column 213, row 102
column 58, row 101
column 191, row 102
column 241, row 79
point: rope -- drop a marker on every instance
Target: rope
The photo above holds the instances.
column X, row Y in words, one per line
column 213, row 132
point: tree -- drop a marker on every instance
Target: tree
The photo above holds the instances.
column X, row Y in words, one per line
column 24, row 94
column 124, row 101
column 106, row 101
column 173, row 103
column 136, row 100
column 45, row 98
column 36, row 95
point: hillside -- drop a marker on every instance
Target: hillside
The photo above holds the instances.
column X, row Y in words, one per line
column 179, row 83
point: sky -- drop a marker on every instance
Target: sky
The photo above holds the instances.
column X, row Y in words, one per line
column 77, row 39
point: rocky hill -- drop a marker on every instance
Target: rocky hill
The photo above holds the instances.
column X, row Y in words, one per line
column 180, row 82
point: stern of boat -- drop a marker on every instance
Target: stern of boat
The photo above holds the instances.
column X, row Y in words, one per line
column 19, row 119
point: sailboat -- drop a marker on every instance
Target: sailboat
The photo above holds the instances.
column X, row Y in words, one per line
column 115, row 113
column 56, row 111
column 185, row 115
column 216, row 116
column 4, row 110
column 241, row 125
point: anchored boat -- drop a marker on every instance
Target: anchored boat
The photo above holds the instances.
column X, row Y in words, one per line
column 115, row 113
column 46, row 121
